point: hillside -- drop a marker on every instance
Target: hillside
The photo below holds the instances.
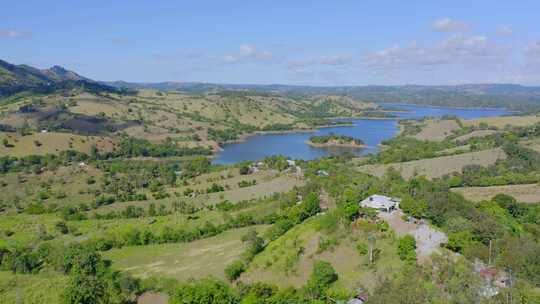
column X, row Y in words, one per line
column 88, row 116
column 516, row 97
column 20, row 78
column 113, row 198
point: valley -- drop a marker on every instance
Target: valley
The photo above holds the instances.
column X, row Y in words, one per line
column 136, row 193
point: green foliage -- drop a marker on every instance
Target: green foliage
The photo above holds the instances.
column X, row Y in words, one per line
column 333, row 138
column 245, row 183
column 203, row 292
column 401, row 149
column 134, row 147
column 362, row 248
column 415, row 207
column 322, row 276
column 234, row 270
column 406, row 249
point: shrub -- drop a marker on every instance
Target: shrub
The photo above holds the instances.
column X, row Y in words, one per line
column 203, row 291
column 362, row 248
column 407, row 248
column 234, row 270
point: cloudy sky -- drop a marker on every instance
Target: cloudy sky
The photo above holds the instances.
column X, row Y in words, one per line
column 290, row 42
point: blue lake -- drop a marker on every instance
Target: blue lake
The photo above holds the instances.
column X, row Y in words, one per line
column 371, row 131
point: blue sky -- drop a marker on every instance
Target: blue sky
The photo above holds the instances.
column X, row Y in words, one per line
column 289, row 42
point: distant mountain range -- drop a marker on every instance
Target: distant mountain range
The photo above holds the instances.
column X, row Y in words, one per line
column 19, row 78
column 511, row 96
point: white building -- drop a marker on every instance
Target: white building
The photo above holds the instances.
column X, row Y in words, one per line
column 381, row 202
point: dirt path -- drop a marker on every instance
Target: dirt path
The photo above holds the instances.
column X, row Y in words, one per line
column 428, row 240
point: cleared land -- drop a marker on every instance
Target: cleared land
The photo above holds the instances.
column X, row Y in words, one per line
column 51, row 142
column 198, row 259
column 439, row 166
column 532, row 144
column 473, row 134
column 503, row 121
column 437, row 130
column 522, row 193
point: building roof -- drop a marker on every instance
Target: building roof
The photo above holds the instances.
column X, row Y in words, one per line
column 380, row 201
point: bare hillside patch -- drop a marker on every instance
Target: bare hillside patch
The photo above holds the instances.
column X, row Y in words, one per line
column 437, row 130
column 439, row 166
column 522, row 193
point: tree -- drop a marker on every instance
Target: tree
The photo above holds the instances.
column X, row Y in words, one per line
column 254, row 241
column 86, row 282
column 407, row 249
column 203, row 292
column 234, row 270
column 322, row 276
column 244, row 170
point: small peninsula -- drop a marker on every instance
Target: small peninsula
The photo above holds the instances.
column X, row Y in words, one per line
column 334, row 140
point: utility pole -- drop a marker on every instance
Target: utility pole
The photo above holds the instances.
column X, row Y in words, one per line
column 489, row 258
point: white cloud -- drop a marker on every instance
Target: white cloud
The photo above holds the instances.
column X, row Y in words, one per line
column 450, row 25
column 10, row 33
column 456, row 50
column 336, row 60
column 248, row 52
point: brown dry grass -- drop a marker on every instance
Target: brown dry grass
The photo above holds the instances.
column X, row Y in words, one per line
column 52, row 142
column 437, row 130
column 473, row 134
column 503, row 121
column 439, row 166
column 522, row 193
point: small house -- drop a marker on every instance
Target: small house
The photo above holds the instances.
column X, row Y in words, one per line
column 291, row 163
column 381, row 202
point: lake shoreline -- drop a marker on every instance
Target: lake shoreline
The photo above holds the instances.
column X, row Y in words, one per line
column 371, row 130
column 244, row 137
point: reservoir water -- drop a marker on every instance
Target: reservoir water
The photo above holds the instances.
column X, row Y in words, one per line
column 371, row 131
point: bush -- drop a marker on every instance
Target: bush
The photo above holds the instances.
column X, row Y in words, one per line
column 234, row 270
column 362, row 248
column 322, row 276
column 203, row 291
column 62, row 227
column 407, row 248
column 244, row 170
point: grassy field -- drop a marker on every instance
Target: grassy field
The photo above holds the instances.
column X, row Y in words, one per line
column 288, row 261
column 522, row 193
column 266, row 186
column 52, row 142
column 198, row 259
column 473, row 134
column 43, row 288
column 532, row 144
column 64, row 186
column 437, row 130
column 502, row 121
column 439, row 166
